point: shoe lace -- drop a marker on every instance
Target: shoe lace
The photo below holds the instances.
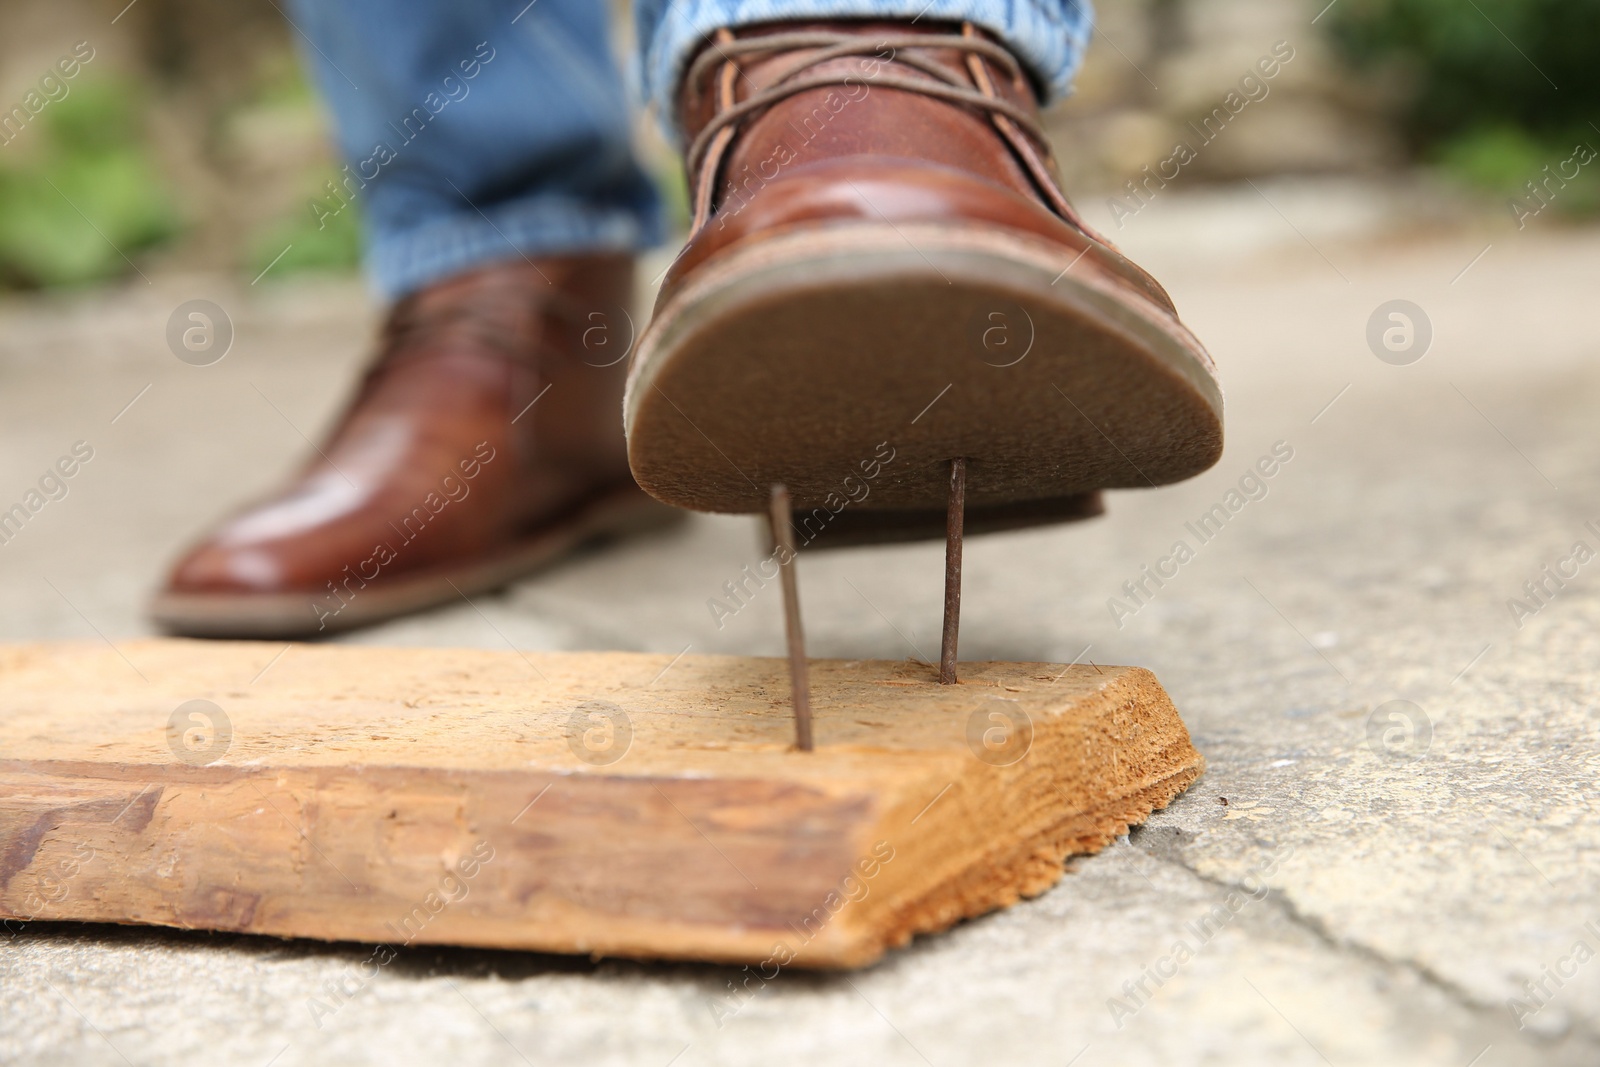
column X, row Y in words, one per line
column 1017, row 125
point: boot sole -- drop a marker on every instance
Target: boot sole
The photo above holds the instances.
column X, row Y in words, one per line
column 292, row 615
column 856, row 527
column 852, row 363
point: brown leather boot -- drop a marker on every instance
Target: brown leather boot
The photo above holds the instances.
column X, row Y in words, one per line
column 884, row 275
column 482, row 444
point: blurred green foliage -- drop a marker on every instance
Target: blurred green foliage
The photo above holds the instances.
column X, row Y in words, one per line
column 81, row 188
column 1496, row 89
column 335, row 244
column 78, row 191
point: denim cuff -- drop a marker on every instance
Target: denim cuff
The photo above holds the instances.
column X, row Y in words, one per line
column 1047, row 36
column 400, row 261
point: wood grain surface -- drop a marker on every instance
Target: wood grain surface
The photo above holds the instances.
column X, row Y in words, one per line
column 612, row 804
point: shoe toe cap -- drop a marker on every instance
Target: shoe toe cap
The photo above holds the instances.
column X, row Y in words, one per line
column 212, row 567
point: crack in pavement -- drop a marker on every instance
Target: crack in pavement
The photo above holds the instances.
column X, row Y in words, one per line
column 1579, row 1030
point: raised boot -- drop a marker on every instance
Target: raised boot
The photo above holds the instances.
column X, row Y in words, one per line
column 884, row 276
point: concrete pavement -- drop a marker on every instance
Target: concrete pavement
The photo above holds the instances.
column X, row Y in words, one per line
column 1406, row 864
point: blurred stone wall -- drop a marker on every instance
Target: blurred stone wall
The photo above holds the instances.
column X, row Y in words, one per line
column 241, row 152
column 1158, row 69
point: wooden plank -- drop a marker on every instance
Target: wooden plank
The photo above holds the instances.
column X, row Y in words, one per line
column 605, row 803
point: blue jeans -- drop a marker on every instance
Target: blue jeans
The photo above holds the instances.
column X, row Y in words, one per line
column 484, row 130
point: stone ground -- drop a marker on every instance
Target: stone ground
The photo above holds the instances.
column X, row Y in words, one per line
column 1405, row 868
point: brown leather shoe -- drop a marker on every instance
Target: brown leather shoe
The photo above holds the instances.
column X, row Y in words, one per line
column 450, row 473
column 883, row 275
